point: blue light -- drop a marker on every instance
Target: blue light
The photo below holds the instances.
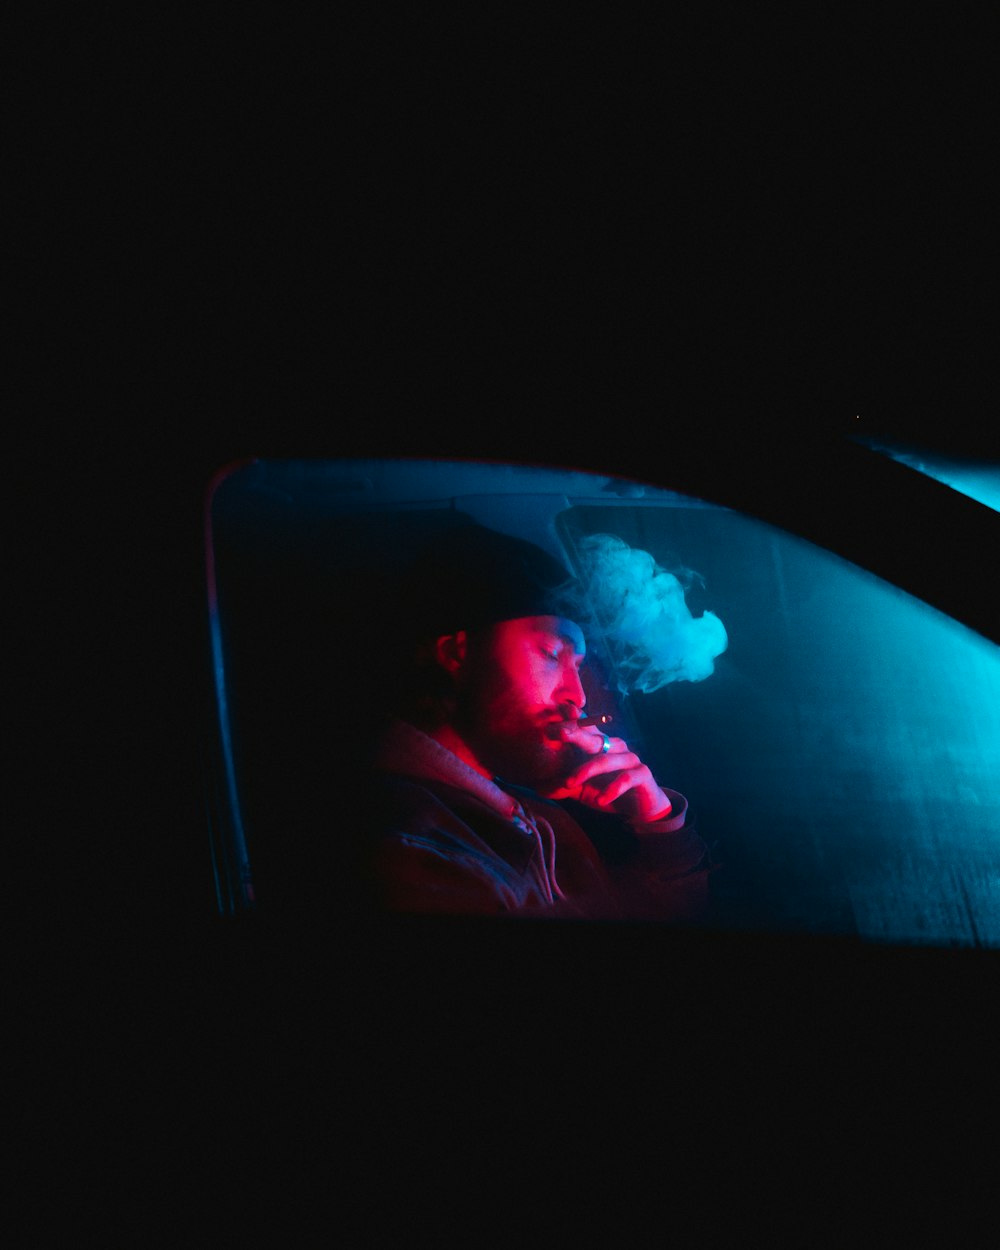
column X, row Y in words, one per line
column 973, row 478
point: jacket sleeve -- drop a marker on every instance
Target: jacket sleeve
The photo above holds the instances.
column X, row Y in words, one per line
column 659, row 870
column 415, row 875
column 442, row 852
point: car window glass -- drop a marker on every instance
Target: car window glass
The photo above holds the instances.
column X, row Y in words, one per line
column 846, row 749
column 843, row 757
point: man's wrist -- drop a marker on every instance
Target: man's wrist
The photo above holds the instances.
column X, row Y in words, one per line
column 663, row 814
column 669, row 819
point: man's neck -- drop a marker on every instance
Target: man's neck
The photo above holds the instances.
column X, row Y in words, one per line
column 453, row 742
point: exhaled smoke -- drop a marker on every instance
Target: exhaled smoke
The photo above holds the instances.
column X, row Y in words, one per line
column 636, row 610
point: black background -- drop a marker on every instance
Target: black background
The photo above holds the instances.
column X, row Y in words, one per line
column 704, row 257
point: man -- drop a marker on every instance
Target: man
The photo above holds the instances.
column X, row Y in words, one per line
column 487, row 777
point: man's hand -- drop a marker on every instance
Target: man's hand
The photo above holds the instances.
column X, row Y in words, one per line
column 613, row 780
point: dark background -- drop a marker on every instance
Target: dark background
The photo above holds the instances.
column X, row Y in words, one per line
column 703, row 256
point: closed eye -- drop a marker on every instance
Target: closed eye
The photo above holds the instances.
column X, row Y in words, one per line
column 556, row 657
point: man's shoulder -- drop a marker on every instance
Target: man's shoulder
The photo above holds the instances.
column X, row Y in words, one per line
column 399, row 797
column 429, row 816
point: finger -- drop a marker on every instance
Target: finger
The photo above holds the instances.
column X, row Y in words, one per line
column 598, row 765
column 618, row 786
column 588, row 738
column 599, row 795
column 595, row 746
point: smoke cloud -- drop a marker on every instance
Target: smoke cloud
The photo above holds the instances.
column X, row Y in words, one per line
column 636, row 612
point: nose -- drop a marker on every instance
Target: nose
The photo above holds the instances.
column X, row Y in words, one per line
column 572, row 691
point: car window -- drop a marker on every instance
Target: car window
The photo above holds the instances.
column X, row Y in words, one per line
column 842, row 757
column 846, row 749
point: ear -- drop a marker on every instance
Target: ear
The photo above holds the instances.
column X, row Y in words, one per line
column 450, row 650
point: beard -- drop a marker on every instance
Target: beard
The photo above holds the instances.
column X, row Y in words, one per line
column 511, row 740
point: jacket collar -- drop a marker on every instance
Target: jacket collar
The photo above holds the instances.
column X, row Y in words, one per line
column 409, row 751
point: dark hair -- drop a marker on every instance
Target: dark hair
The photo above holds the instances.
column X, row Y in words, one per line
column 470, row 579
column 423, row 692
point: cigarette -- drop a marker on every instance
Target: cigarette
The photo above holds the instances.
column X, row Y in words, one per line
column 560, row 729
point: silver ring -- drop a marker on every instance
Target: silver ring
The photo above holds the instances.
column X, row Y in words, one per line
column 607, row 744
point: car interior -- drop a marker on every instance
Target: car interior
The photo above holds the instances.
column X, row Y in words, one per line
column 842, row 756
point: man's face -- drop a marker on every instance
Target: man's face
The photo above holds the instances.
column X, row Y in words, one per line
column 520, row 679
